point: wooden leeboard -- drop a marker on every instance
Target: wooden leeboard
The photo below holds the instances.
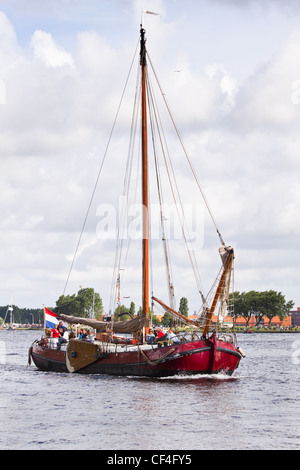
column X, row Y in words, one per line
column 80, row 354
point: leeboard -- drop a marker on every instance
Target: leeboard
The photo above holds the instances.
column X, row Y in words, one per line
column 80, row 354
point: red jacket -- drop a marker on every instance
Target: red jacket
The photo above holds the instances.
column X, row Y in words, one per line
column 55, row 333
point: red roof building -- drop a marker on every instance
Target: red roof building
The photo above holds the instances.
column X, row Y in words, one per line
column 290, row 321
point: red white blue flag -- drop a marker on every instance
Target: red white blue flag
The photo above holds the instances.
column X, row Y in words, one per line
column 50, row 318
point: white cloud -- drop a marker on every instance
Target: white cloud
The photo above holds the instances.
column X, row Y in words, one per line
column 10, row 52
column 228, row 84
column 46, row 50
column 267, row 97
column 242, row 137
column 8, row 36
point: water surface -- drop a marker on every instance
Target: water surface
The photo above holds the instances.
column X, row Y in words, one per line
column 257, row 408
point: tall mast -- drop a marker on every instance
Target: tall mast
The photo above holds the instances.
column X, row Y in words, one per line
column 145, row 201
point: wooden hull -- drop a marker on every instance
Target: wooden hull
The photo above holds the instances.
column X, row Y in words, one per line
column 191, row 358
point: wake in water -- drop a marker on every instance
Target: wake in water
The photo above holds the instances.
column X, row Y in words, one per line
column 202, row 377
column 197, row 378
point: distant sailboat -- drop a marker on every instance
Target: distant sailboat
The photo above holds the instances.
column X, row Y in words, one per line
column 200, row 351
column 9, row 311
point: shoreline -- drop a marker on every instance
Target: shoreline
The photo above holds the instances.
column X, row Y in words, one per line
column 260, row 330
column 243, row 330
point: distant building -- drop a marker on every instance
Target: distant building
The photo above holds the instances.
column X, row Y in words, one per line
column 295, row 316
column 291, row 320
column 240, row 321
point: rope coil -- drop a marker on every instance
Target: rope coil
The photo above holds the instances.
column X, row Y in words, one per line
column 158, row 361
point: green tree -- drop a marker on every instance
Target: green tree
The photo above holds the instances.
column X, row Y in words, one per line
column 140, row 311
column 167, row 319
column 66, row 305
column 90, row 303
column 86, row 303
column 132, row 309
column 241, row 308
column 261, row 304
column 121, row 313
column 273, row 304
column 183, row 306
column 254, row 304
column 155, row 320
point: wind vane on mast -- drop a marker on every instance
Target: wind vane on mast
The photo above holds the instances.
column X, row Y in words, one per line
column 150, row 12
column 147, row 12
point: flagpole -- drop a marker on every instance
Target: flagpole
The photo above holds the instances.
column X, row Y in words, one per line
column 44, row 320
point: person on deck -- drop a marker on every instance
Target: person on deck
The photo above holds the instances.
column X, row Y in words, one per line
column 80, row 333
column 84, row 334
column 54, row 337
column 150, row 337
column 61, row 329
column 161, row 336
column 89, row 337
column 173, row 338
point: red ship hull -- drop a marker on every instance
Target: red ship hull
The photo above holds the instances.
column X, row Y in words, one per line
column 207, row 356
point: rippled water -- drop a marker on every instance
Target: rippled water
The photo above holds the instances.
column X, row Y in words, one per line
column 257, row 408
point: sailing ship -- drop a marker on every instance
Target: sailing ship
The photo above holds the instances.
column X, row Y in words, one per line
column 201, row 350
column 11, row 319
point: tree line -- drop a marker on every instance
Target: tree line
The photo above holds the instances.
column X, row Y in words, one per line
column 88, row 303
column 85, row 304
column 267, row 304
column 22, row 315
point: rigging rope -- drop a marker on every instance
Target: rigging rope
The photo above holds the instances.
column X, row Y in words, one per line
column 159, row 360
column 100, row 170
column 126, row 186
column 155, row 122
column 185, row 152
column 160, row 196
column 181, row 217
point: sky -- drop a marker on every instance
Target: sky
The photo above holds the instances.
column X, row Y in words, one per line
column 231, row 73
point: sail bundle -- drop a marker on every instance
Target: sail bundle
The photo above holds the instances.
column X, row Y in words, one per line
column 126, row 326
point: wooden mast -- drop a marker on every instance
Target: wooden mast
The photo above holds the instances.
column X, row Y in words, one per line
column 226, row 265
column 145, row 201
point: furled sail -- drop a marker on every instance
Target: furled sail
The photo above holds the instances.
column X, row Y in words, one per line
column 219, row 291
column 126, row 326
column 224, row 296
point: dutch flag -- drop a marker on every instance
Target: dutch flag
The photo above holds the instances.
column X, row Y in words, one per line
column 50, row 318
